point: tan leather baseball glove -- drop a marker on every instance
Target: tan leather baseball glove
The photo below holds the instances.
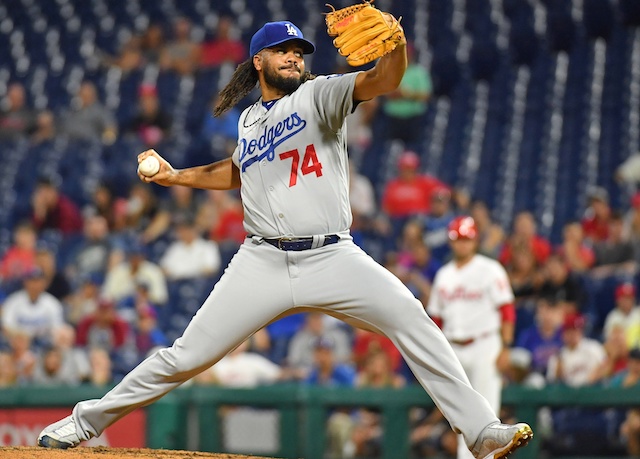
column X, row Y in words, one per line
column 363, row 33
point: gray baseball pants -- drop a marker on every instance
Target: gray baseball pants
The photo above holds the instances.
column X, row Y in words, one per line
column 262, row 283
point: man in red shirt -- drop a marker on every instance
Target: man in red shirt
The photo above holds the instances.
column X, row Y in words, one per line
column 224, row 47
column 595, row 222
column 525, row 236
column 104, row 328
column 53, row 210
column 410, row 193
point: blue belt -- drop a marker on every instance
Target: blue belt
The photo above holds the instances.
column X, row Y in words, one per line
column 297, row 244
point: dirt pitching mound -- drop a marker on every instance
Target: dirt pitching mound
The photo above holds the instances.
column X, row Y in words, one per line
column 101, row 452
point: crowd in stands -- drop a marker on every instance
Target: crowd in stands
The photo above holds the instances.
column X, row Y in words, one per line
column 86, row 288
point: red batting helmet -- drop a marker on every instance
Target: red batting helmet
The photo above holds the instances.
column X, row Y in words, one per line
column 463, row 227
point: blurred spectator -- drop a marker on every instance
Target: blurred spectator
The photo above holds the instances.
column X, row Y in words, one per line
column 121, row 280
column 431, row 434
column 32, row 310
column 616, row 358
column 225, row 47
column 525, row 236
column 240, row 368
column 94, row 250
column 57, row 283
column 130, row 307
column 631, row 225
column 461, row 200
column 8, row 371
column 579, row 356
column 543, row 339
column 367, row 342
column 575, row 252
column 417, row 270
column 128, row 58
column 111, row 208
column 103, row 329
column 561, row 286
column 151, row 124
column 190, row 256
column 409, row 194
column 85, row 298
column 326, row 370
column 16, row 119
column 87, row 119
column 436, row 222
column 220, row 132
column 361, row 195
column 491, row 236
column 366, row 434
column 613, row 253
column 23, row 357
column 629, row 170
column 595, row 221
column 140, row 208
column 626, row 314
column 151, row 43
column 101, row 367
column 20, row 258
column 182, row 203
column 405, row 107
column 300, row 354
column 377, row 372
column 520, row 371
column 410, row 238
column 181, row 54
column 53, row 210
column 222, row 216
column 630, row 428
column 147, row 334
column 359, row 130
column 45, row 128
column 49, row 370
column 524, row 274
column 75, row 361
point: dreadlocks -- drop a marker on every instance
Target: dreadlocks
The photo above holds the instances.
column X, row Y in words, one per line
column 242, row 82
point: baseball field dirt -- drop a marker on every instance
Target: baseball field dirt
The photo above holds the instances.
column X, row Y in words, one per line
column 101, row 452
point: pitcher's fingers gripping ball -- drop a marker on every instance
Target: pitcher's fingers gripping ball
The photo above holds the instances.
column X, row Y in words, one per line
column 363, row 33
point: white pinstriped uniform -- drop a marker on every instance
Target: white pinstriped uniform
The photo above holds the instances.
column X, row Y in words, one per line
column 468, row 299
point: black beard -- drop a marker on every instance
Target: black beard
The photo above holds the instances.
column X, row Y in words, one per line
column 284, row 84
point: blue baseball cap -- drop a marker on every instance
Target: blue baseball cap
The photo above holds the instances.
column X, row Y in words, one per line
column 274, row 33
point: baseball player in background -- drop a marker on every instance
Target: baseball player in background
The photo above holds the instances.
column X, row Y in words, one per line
column 472, row 301
column 291, row 166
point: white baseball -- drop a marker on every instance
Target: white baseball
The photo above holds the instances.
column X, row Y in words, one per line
column 149, row 166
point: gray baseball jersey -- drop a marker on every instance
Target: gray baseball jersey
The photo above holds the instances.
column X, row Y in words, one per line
column 293, row 161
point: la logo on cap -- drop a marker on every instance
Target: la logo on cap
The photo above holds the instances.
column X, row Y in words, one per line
column 290, row 29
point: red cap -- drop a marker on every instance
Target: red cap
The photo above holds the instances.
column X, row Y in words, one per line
column 463, row 227
column 635, row 199
column 626, row 289
column 573, row 321
column 147, row 90
column 408, row 160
